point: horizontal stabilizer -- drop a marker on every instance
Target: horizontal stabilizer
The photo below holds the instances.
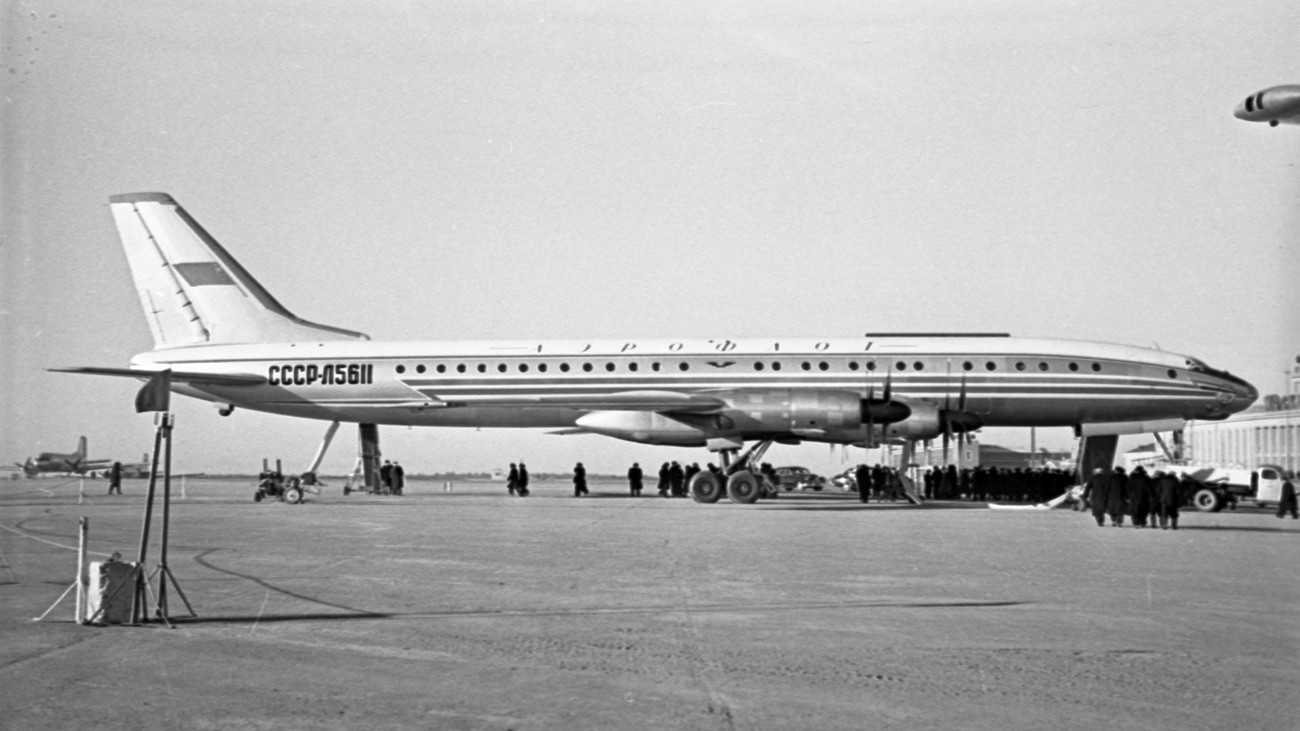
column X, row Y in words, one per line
column 198, row 379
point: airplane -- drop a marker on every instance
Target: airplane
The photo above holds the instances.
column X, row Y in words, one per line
column 221, row 337
column 1274, row 105
column 63, row 463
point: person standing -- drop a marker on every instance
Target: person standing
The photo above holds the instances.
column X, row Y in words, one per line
column 1117, row 496
column 676, row 475
column 1288, row 502
column 579, row 480
column 386, row 478
column 862, row 475
column 1095, row 496
column 115, row 479
column 512, row 479
column 1139, row 496
column 634, row 475
column 398, row 476
column 664, row 480
column 523, row 479
column 1168, row 493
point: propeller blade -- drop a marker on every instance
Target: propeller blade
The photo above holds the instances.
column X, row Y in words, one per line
column 947, row 437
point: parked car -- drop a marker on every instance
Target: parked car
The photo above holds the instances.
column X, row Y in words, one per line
column 799, row 478
column 846, row 480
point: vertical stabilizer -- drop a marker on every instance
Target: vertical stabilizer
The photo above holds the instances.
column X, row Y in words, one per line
column 193, row 292
column 81, row 452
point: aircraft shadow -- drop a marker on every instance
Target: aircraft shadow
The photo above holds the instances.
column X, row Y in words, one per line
column 720, row 608
column 1242, row 528
column 272, row 618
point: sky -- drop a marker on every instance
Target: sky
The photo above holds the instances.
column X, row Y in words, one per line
column 575, row 170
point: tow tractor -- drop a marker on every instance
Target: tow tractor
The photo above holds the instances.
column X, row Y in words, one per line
column 274, row 484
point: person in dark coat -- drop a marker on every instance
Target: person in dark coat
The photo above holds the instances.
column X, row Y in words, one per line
column 863, row 476
column 1117, row 496
column 675, row 476
column 115, row 479
column 579, row 480
column 1288, row 502
column 512, row 479
column 1139, row 496
column 523, row 479
column 1094, row 495
column 398, row 476
column 386, row 477
column 634, row 475
column 664, row 480
column 1168, row 494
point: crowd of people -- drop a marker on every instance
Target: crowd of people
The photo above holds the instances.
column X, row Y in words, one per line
column 1140, row 496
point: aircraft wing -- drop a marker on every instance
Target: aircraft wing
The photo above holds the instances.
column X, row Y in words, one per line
column 662, row 401
column 191, row 377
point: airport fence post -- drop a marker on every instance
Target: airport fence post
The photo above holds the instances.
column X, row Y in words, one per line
column 81, row 491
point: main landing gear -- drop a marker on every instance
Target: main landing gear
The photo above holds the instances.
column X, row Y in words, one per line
column 739, row 479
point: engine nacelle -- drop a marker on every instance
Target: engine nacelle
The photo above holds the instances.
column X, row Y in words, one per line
column 645, row 427
column 783, row 409
column 922, row 424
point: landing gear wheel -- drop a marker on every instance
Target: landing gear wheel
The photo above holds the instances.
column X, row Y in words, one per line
column 743, row 487
column 293, row 496
column 705, row 487
column 1207, row 500
column 257, row 496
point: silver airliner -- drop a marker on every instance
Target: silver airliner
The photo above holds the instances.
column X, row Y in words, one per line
column 1275, row 105
column 225, row 339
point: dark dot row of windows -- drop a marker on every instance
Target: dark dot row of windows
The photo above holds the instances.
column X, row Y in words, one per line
column 758, row 366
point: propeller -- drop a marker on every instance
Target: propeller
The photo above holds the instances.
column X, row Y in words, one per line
column 958, row 419
column 883, row 410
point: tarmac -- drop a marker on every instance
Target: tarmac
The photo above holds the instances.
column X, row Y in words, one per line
column 469, row 609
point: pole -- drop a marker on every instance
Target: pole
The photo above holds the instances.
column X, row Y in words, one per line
column 83, row 526
column 81, row 491
column 138, row 602
column 166, row 516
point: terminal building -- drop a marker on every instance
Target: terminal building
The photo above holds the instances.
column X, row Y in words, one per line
column 1266, row 433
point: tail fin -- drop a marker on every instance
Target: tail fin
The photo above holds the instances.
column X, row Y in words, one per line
column 193, row 292
column 81, row 452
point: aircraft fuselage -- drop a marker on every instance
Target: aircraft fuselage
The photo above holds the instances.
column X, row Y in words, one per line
column 681, row 392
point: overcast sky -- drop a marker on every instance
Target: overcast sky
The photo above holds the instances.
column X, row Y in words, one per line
column 590, row 170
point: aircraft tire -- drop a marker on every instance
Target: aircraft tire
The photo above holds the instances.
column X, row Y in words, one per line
column 257, row 496
column 743, row 488
column 293, row 496
column 705, row 487
column 1207, row 500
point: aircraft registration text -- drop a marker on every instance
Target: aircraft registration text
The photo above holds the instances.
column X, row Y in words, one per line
column 330, row 374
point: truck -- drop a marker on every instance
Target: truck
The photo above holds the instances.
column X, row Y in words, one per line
column 1213, row 488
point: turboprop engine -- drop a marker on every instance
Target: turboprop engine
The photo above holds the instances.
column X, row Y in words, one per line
column 923, row 423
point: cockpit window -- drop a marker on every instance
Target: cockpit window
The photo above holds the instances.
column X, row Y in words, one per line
column 1259, row 101
column 1250, row 103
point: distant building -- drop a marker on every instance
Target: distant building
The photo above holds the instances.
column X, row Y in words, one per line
column 1266, row 433
column 975, row 454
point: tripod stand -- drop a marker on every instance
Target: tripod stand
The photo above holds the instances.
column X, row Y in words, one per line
column 140, row 582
